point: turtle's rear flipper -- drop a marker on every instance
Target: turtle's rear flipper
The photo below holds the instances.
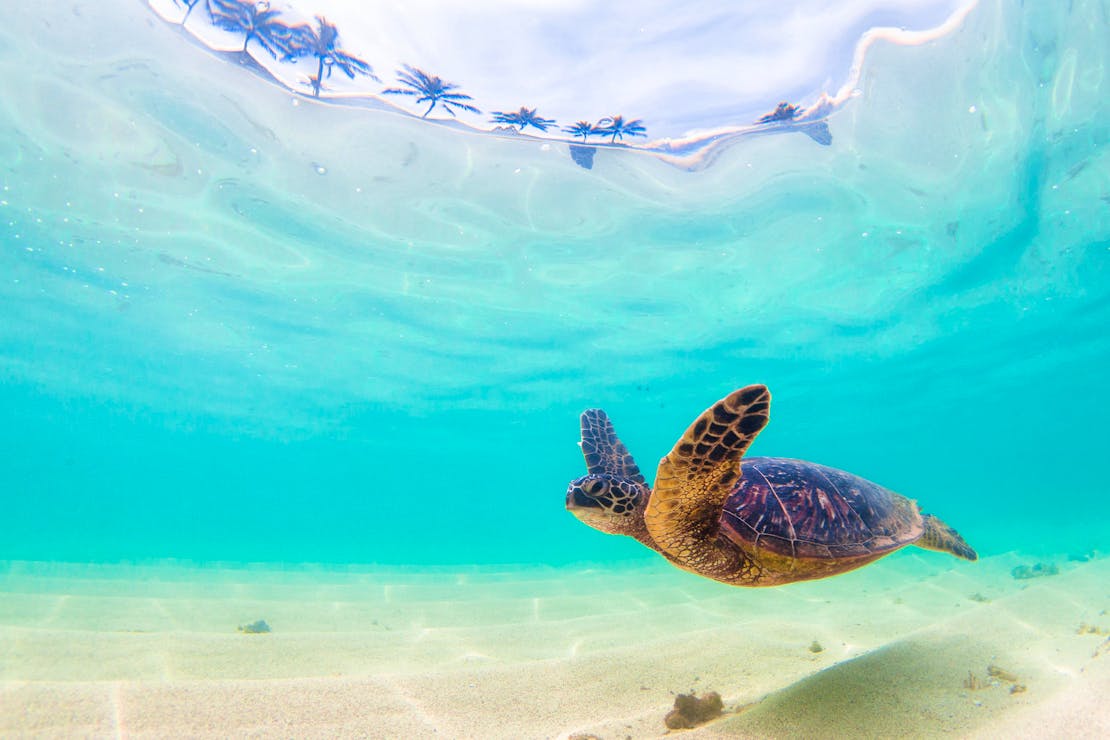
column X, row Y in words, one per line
column 939, row 536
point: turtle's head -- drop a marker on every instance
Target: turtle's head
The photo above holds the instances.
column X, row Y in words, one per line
column 610, row 503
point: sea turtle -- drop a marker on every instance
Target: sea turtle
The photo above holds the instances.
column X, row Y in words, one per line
column 760, row 522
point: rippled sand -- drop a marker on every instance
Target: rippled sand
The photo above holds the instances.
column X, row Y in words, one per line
column 544, row 653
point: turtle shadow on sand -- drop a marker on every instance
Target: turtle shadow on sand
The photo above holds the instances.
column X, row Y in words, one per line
column 907, row 689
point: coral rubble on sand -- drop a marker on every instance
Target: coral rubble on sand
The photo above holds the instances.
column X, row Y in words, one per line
column 255, row 628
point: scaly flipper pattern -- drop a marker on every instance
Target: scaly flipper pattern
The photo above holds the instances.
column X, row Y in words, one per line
column 604, row 452
column 695, row 478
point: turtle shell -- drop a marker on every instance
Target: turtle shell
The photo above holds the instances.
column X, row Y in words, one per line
column 802, row 510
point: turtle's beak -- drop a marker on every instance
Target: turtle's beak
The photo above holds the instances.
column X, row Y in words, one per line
column 577, row 498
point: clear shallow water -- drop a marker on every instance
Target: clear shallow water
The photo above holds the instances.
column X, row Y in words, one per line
column 241, row 327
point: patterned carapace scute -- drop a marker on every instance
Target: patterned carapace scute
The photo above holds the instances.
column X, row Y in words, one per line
column 804, row 510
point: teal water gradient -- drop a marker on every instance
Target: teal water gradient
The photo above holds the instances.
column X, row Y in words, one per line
column 235, row 329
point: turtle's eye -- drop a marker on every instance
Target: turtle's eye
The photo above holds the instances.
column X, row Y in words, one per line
column 596, row 487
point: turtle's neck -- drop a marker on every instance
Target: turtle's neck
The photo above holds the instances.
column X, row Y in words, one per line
column 637, row 528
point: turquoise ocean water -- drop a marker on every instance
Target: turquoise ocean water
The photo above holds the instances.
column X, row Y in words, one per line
column 241, row 326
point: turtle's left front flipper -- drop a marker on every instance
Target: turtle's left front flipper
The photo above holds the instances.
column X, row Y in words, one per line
column 939, row 536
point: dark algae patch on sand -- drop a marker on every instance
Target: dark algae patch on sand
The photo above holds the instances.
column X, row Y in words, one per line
column 690, row 711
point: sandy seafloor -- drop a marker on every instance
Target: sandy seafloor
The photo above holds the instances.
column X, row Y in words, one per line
column 154, row 651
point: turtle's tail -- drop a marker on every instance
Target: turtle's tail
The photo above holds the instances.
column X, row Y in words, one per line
column 939, row 536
